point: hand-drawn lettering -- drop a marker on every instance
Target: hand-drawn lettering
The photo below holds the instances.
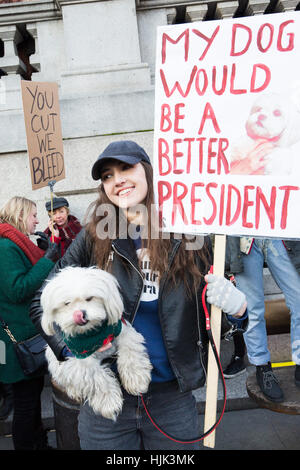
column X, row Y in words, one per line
column 43, row 131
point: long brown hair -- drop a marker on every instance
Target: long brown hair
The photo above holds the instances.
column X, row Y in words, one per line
column 187, row 264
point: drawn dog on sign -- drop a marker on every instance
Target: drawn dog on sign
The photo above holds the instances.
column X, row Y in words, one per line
column 271, row 146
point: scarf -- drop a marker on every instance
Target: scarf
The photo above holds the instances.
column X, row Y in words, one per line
column 70, row 231
column 85, row 344
column 33, row 252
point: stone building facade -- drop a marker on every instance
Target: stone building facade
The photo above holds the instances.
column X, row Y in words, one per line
column 102, row 55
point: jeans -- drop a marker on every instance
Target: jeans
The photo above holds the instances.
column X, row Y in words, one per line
column 27, row 417
column 173, row 411
column 251, row 283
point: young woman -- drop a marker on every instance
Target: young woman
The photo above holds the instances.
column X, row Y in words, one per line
column 161, row 283
column 23, row 268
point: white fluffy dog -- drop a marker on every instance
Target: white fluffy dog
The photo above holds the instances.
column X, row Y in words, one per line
column 84, row 302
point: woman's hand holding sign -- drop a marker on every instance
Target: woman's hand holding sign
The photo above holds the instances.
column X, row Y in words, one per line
column 224, row 295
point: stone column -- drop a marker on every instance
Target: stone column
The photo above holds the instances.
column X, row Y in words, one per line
column 148, row 21
column 196, row 12
column 11, row 65
column 226, row 9
column 286, row 5
column 102, row 48
column 257, row 7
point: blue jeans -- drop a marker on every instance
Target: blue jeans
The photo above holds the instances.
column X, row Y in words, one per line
column 173, row 411
column 251, row 283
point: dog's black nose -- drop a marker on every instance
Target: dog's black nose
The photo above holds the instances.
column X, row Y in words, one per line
column 84, row 314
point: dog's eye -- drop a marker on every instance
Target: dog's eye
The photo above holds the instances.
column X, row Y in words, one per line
column 67, row 302
column 89, row 299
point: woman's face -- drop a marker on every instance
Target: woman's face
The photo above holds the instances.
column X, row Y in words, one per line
column 60, row 216
column 125, row 185
column 32, row 221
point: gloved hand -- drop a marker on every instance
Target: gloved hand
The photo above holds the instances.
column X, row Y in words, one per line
column 225, row 296
column 53, row 252
column 43, row 241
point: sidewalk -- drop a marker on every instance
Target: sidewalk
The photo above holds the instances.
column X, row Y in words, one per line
column 254, row 429
column 244, row 426
column 243, row 429
column 257, row 429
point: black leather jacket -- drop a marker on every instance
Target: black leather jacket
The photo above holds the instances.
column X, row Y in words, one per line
column 182, row 318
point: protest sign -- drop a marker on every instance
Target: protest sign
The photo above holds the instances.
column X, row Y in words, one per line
column 226, row 138
column 43, row 132
column 227, row 115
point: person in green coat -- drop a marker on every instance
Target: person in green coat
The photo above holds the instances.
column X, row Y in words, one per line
column 23, row 269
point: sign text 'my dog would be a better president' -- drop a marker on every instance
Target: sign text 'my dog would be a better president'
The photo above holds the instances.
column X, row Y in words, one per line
column 227, row 120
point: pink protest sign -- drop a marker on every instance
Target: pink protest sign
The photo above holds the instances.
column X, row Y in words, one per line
column 227, row 120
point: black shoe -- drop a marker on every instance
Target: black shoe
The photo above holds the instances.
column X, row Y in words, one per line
column 6, row 404
column 268, row 383
column 297, row 375
column 235, row 367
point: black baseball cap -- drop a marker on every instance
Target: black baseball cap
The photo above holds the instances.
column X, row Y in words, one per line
column 57, row 203
column 125, row 151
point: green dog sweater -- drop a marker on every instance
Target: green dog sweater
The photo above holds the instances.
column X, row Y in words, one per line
column 85, row 344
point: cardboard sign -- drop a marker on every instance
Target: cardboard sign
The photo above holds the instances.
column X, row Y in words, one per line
column 227, row 120
column 43, row 132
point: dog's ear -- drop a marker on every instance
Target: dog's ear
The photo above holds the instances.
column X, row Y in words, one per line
column 47, row 317
column 113, row 301
column 47, row 324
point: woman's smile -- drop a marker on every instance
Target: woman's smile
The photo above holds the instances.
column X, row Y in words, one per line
column 125, row 191
column 125, row 185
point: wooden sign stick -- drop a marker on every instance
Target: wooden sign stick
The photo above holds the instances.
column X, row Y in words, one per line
column 212, row 368
column 51, row 184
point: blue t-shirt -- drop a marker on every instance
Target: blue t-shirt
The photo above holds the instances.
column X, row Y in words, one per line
column 147, row 321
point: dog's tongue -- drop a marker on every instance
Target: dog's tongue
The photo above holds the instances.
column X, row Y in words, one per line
column 78, row 317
